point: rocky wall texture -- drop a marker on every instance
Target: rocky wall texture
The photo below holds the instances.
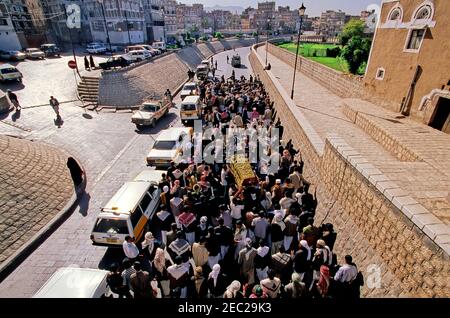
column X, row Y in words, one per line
column 396, row 257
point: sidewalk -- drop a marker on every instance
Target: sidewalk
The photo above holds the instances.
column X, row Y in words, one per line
column 426, row 179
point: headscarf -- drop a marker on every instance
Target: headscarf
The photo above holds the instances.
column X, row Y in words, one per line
column 324, row 280
column 149, row 241
column 278, row 219
column 296, row 279
column 203, row 221
column 166, row 189
column 262, row 250
column 160, row 260
column 215, row 273
column 305, row 245
column 234, row 287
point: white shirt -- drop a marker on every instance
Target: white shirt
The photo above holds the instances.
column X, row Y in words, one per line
column 130, row 249
column 285, row 203
column 223, row 179
column 346, row 273
column 236, row 211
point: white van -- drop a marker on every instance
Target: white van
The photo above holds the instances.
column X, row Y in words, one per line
column 191, row 109
column 96, row 48
column 128, row 211
column 75, row 282
column 9, row 73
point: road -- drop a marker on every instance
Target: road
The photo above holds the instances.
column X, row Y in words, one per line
column 112, row 152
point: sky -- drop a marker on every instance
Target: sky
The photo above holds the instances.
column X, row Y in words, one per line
column 313, row 7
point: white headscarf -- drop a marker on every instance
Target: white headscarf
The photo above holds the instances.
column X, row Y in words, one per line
column 149, row 241
column 166, row 189
column 262, row 250
column 215, row 273
column 305, row 245
column 203, row 221
column 278, row 219
column 234, row 287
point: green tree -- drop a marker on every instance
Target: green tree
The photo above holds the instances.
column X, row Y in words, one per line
column 356, row 52
column 239, row 35
column 218, row 35
column 353, row 28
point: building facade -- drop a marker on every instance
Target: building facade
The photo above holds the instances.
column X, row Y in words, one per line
column 189, row 18
column 125, row 21
column 409, row 64
column 9, row 40
column 154, row 20
column 170, row 20
column 332, row 22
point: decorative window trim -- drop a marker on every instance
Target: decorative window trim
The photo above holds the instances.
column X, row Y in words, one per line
column 398, row 7
column 408, row 38
column 377, row 76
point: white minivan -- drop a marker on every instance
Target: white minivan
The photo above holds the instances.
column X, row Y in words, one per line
column 75, row 282
column 128, row 211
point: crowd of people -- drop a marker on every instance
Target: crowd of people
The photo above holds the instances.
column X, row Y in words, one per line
column 215, row 238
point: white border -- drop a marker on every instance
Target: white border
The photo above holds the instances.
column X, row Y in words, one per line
column 376, row 74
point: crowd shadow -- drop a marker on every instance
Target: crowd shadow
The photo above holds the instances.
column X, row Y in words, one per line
column 84, row 203
column 112, row 255
column 16, row 115
column 15, row 86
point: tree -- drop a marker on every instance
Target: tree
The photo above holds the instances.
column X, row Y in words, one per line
column 218, row 35
column 353, row 28
column 356, row 52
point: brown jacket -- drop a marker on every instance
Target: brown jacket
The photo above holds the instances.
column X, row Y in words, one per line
column 140, row 284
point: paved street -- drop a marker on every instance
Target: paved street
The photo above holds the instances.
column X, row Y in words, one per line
column 111, row 151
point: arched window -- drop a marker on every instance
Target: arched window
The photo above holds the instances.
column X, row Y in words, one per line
column 424, row 13
column 395, row 15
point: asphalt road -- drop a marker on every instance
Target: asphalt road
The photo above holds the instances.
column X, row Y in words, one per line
column 111, row 151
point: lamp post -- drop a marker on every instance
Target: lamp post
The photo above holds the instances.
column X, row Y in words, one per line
column 267, row 39
column 301, row 12
column 106, row 26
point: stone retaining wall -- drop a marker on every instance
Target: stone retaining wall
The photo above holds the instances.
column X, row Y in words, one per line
column 384, row 240
column 134, row 85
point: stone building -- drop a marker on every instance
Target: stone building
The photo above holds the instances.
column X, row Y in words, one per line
column 189, row 18
column 409, row 64
column 170, row 20
column 332, row 22
column 154, row 20
column 9, row 39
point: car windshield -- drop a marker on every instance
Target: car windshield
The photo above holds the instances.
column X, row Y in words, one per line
column 150, row 108
column 188, row 107
column 111, row 226
column 165, row 144
column 189, row 87
column 8, row 70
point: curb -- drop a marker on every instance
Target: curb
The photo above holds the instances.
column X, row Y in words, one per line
column 12, row 262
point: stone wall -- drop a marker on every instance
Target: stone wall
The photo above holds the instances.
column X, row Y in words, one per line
column 343, row 85
column 380, row 237
column 132, row 86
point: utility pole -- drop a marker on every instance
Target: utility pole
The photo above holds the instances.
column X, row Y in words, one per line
column 106, row 26
column 301, row 11
column 71, row 41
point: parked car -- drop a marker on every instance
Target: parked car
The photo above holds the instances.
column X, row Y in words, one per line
column 138, row 55
column 9, row 73
column 34, row 53
column 51, row 50
column 12, row 55
column 96, row 48
column 159, row 46
column 189, row 89
column 150, row 112
column 115, row 61
column 75, row 282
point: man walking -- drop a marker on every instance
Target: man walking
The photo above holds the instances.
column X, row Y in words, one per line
column 141, row 283
column 55, row 105
column 13, row 98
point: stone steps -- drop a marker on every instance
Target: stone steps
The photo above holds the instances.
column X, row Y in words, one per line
column 88, row 91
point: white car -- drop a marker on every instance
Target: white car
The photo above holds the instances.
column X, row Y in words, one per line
column 33, row 53
column 169, row 146
column 189, row 89
column 96, row 48
column 75, row 282
column 138, row 55
column 9, row 73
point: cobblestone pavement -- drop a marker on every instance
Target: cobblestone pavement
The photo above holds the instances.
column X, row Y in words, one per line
column 112, row 152
column 35, row 185
column 425, row 181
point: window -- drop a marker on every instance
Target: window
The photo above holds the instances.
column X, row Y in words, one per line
column 380, row 74
column 136, row 216
column 395, row 15
column 424, row 13
column 145, row 202
column 3, row 22
column 415, row 39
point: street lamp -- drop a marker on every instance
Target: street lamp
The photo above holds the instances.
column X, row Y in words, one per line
column 301, row 12
column 106, row 26
column 267, row 39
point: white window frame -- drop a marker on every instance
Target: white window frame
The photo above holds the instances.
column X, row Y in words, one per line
column 408, row 39
column 397, row 7
column 380, row 78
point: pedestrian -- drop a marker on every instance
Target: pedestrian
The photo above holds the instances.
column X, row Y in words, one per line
column 296, row 288
column 55, row 105
column 246, row 262
column 13, row 98
column 199, row 285
column 130, row 249
column 271, row 285
column 228, row 59
column 116, row 282
column 91, row 61
column 86, row 64
column 141, row 283
column 216, row 64
column 217, row 282
column 233, row 290
column 213, row 71
column 179, row 276
column 127, row 271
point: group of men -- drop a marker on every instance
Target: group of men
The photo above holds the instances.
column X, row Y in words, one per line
column 215, row 237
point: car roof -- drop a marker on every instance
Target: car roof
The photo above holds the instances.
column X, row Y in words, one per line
column 202, row 66
column 190, row 99
column 6, row 65
column 172, row 134
column 127, row 197
column 152, row 176
column 72, row 282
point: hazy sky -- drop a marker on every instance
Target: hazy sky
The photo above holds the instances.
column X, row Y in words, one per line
column 313, row 7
